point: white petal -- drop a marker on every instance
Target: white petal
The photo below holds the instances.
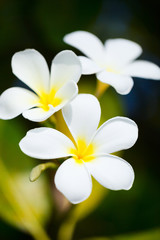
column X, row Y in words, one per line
column 74, row 181
column 122, row 84
column 66, row 93
column 112, row 172
column 31, row 68
column 87, row 43
column 115, row 134
column 65, row 67
column 38, row 114
column 121, row 51
column 45, row 143
column 14, row 101
column 143, row 69
column 88, row 66
column 82, row 116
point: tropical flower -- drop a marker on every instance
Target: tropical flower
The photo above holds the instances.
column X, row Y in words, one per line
column 49, row 91
column 88, row 150
column 114, row 62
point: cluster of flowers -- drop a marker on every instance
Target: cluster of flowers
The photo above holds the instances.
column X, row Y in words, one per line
column 88, row 149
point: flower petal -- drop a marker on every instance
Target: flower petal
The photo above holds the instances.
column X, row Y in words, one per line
column 73, row 180
column 115, row 134
column 82, row 116
column 14, row 101
column 31, row 68
column 66, row 93
column 112, row 172
column 120, row 51
column 38, row 114
column 143, row 69
column 88, row 66
column 45, row 143
column 122, row 84
column 87, row 43
column 65, row 67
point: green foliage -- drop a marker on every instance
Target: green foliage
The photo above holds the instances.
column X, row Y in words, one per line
column 148, row 235
column 23, row 204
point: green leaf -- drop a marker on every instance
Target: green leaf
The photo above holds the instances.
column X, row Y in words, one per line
column 23, row 204
column 153, row 234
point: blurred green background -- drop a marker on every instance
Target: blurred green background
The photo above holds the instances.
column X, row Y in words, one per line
column 108, row 215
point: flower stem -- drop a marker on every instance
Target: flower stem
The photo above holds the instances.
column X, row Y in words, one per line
column 50, row 122
column 101, row 88
column 67, row 229
column 62, row 126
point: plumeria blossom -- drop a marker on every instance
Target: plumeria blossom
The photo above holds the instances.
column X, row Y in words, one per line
column 49, row 91
column 114, row 62
column 88, row 151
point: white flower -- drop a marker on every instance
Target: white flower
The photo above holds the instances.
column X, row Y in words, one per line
column 89, row 151
column 51, row 90
column 112, row 62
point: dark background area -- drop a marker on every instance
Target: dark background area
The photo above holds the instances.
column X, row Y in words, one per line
column 42, row 25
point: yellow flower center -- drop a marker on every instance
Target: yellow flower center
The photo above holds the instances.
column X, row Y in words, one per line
column 47, row 99
column 112, row 70
column 82, row 151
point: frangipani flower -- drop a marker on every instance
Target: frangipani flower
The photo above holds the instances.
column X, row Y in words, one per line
column 51, row 91
column 114, row 62
column 88, row 151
